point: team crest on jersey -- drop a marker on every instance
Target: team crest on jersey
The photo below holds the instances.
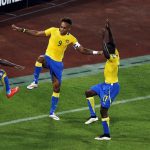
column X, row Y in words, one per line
column 67, row 41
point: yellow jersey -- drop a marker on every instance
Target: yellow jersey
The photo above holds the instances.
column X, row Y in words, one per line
column 111, row 68
column 58, row 43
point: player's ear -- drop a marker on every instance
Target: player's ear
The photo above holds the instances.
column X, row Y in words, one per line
column 69, row 28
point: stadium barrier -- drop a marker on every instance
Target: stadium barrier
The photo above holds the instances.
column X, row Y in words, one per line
column 12, row 5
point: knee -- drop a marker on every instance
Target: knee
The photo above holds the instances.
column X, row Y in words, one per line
column 87, row 94
column 56, row 87
column 40, row 59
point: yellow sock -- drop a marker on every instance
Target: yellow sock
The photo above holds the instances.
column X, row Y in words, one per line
column 38, row 64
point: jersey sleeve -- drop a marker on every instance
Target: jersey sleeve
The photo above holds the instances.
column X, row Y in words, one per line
column 49, row 31
column 74, row 40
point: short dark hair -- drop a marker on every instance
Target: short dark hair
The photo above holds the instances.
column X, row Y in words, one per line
column 111, row 47
column 67, row 20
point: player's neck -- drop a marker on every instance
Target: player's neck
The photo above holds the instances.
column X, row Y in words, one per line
column 63, row 34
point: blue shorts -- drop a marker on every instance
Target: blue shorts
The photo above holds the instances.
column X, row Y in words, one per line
column 55, row 67
column 106, row 92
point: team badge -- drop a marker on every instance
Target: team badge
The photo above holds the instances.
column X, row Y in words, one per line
column 67, row 41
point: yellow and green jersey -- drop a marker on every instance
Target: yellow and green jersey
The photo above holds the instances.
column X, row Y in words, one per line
column 58, row 43
column 111, row 68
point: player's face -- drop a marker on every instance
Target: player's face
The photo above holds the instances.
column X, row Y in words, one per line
column 64, row 28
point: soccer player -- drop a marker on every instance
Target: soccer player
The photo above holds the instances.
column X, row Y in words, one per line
column 4, row 78
column 108, row 90
column 59, row 39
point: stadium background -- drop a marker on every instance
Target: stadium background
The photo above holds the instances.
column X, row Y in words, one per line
column 129, row 19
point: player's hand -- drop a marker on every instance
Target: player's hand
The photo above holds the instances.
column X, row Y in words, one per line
column 107, row 25
column 14, row 27
column 19, row 67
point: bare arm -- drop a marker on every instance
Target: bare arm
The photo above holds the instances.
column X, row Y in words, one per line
column 10, row 64
column 103, row 36
column 104, row 45
column 111, row 39
column 87, row 51
column 28, row 31
column 105, row 51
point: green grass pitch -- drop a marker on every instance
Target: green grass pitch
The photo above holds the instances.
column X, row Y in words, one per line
column 130, row 123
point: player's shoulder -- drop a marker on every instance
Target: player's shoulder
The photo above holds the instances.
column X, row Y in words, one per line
column 52, row 28
column 71, row 36
column 116, row 51
column 115, row 56
column 50, row 31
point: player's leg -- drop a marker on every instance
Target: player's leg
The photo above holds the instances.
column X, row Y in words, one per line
column 107, row 95
column 55, row 98
column 105, row 101
column 5, row 81
column 56, row 69
column 105, row 124
column 91, row 104
column 37, row 70
column 9, row 92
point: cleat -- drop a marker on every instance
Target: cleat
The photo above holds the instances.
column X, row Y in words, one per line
column 13, row 92
column 91, row 120
column 103, row 137
column 53, row 116
column 32, row 86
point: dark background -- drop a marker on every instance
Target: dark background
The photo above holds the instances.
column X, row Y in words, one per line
column 130, row 21
column 20, row 5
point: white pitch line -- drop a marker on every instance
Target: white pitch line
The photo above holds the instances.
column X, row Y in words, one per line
column 71, row 111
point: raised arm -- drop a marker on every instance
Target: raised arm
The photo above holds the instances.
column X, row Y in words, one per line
column 28, row 31
column 103, row 36
column 109, row 45
column 110, row 35
column 104, row 45
column 10, row 64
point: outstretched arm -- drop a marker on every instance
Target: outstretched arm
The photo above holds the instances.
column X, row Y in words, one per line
column 10, row 64
column 87, row 51
column 28, row 31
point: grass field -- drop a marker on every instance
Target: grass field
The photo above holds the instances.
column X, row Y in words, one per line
column 130, row 123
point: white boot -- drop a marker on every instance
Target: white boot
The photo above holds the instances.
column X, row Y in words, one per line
column 53, row 116
column 32, row 86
